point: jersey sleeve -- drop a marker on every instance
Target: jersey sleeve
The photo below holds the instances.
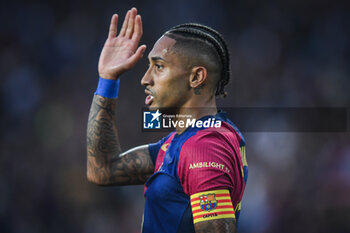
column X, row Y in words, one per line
column 211, row 161
column 153, row 148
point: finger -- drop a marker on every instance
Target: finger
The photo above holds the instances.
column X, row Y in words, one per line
column 125, row 23
column 138, row 29
column 137, row 55
column 130, row 27
column 113, row 27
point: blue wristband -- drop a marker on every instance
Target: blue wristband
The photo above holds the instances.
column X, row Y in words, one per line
column 107, row 88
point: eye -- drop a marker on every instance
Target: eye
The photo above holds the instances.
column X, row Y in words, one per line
column 159, row 67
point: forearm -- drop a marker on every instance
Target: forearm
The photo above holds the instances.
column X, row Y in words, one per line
column 102, row 140
column 106, row 165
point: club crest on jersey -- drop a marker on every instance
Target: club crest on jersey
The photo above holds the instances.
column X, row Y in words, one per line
column 165, row 146
column 208, row 202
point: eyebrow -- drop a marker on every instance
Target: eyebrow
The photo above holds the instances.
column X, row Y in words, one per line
column 157, row 58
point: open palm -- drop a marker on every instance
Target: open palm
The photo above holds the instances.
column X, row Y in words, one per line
column 120, row 53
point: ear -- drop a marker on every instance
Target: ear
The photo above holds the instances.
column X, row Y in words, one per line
column 198, row 76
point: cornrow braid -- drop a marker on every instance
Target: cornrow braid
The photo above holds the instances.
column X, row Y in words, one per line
column 211, row 36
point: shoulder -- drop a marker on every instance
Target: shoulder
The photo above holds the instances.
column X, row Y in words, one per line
column 219, row 146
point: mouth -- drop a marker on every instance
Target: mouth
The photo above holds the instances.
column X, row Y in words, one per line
column 149, row 98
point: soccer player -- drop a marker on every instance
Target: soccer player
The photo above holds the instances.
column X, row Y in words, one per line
column 195, row 177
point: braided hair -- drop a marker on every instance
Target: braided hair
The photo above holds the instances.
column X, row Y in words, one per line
column 212, row 39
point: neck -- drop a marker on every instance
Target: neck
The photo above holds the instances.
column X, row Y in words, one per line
column 196, row 108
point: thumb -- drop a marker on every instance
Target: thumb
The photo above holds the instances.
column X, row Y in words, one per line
column 138, row 54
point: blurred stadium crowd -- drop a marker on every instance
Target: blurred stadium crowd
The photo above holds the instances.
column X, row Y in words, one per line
column 284, row 54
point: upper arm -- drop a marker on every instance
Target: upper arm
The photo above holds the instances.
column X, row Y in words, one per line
column 134, row 166
column 224, row 225
column 213, row 209
column 210, row 172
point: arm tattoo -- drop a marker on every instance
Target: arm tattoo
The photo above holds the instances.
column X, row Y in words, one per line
column 224, row 225
column 106, row 165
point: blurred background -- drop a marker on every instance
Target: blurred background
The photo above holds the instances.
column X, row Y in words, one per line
column 283, row 54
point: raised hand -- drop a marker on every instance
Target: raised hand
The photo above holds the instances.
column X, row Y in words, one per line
column 120, row 53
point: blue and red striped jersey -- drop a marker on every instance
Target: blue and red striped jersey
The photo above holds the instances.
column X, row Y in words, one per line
column 197, row 160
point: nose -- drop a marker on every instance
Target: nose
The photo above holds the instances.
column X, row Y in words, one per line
column 147, row 78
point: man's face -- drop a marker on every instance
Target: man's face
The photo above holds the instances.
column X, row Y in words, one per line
column 167, row 79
